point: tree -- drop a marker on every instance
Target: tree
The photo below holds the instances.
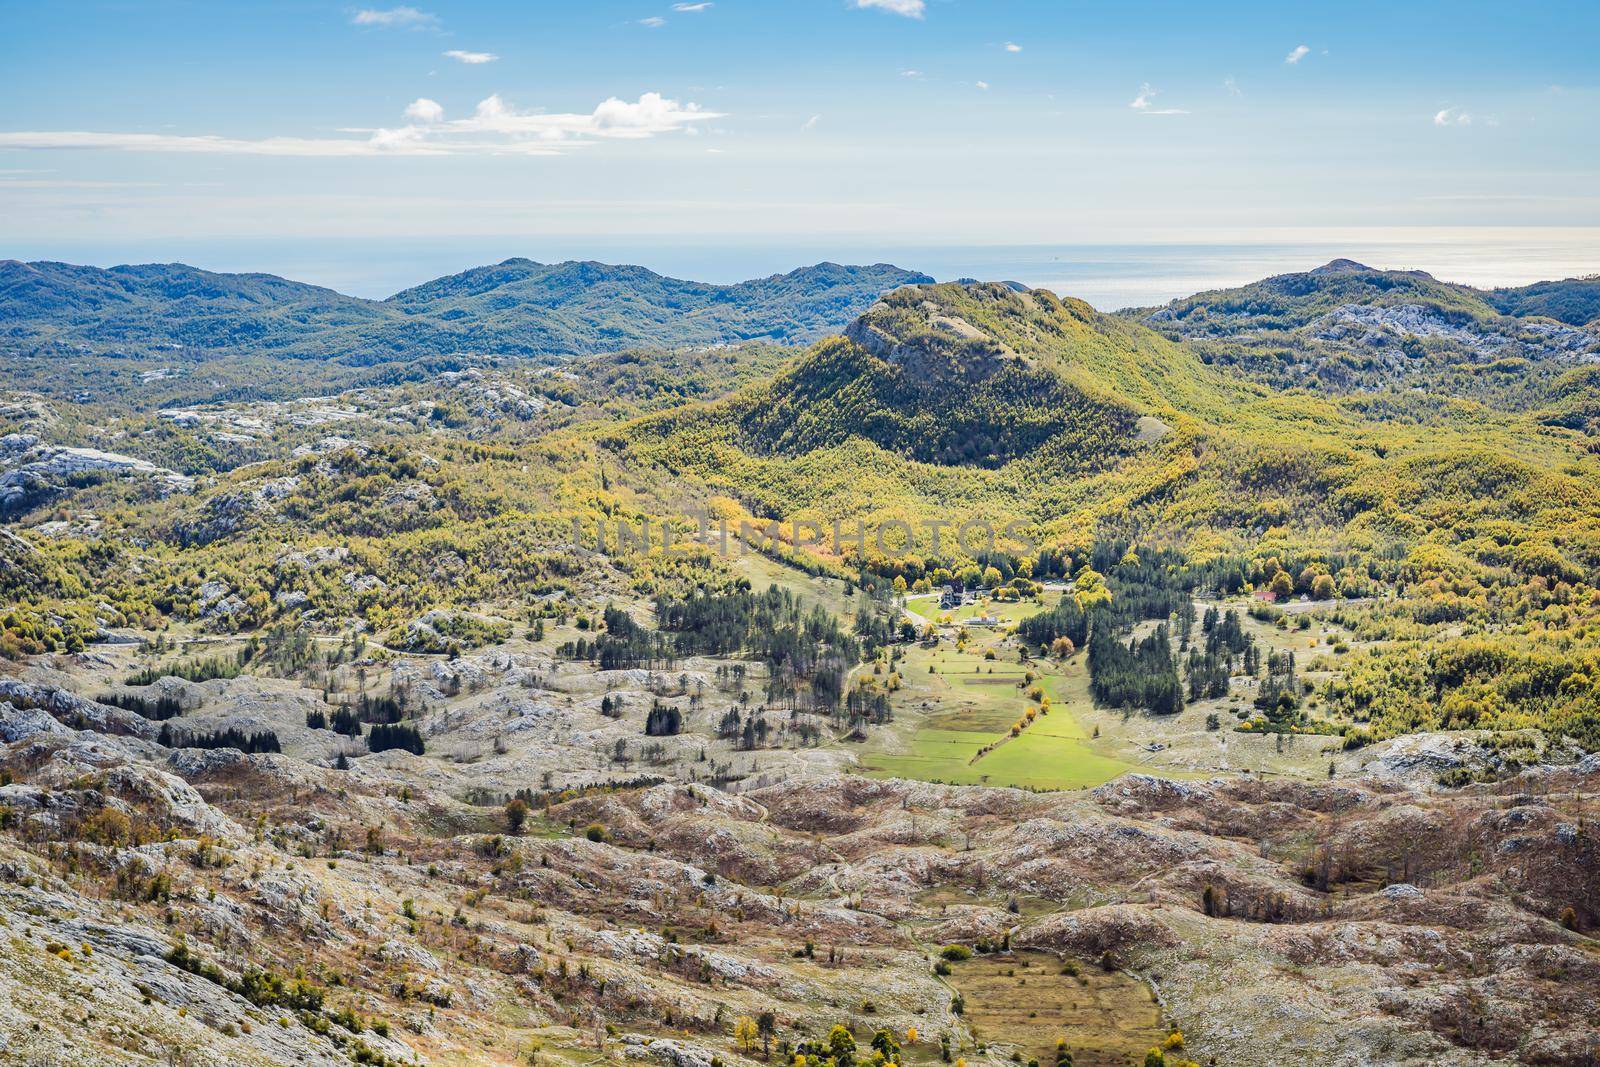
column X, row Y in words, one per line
column 516, row 814
column 842, row 1046
column 1089, row 589
column 745, row 1031
column 767, row 1024
column 1282, row 585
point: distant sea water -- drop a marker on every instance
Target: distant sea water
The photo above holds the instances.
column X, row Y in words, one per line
column 1118, row 276
column 1108, row 276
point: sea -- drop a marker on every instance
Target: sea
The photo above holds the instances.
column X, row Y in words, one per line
column 1106, row 275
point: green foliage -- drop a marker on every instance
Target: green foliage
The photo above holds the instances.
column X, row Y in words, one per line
column 1575, row 301
column 228, row 737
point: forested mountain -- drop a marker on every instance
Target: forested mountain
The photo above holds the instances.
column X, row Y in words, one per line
column 987, row 396
column 596, row 307
column 1347, row 328
column 516, row 308
column 978, row 397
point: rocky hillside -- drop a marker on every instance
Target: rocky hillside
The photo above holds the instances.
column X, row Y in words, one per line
column 1345, row 327
column 162, row 904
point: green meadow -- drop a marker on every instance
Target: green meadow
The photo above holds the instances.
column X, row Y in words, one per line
column 945, row 717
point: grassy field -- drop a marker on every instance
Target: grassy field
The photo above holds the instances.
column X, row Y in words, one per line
column 1010, row 611
column 954, row 704
column 946, row 715
column 1024, row 1003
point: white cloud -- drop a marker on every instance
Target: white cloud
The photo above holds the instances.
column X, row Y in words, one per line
column 691, row 8
column 810, row 124
column 1232, row 86
column 652, row 114
column 1142, row 103
column 911, row 9
column 495, row 128
column 424, row 110
column 471, row 58
column 1453, row 116
column 911, row 74
column 1299, row 52
column 1012, row 47
column 394, row 16
column 654, row 22
column 981, row 85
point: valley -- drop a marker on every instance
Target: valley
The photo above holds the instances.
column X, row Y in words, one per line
column 1263, row 725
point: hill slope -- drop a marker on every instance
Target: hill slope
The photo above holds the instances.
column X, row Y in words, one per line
column 1574, row 301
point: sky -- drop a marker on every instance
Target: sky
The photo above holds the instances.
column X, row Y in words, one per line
column 374, row 144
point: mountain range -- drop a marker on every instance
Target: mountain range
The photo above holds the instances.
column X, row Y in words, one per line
column 516, row 308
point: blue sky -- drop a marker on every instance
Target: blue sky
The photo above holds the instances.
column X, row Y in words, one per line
column 134, row 126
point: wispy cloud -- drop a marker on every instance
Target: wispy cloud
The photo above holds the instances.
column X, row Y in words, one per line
column 911, row 74
column 1232, row 86
column 1296, row 54
column 70, row 183
column 402, row 17
column 1011, row 47
column 982, row 85
column 495, row 128
column 1144, row 103
column 471, row 58
column 810, row 124
column 1453, row 116
column 911, row 9
column 691, row 8
column 654, row 22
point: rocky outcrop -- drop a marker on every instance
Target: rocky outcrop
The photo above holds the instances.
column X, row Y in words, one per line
column 32, row 471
